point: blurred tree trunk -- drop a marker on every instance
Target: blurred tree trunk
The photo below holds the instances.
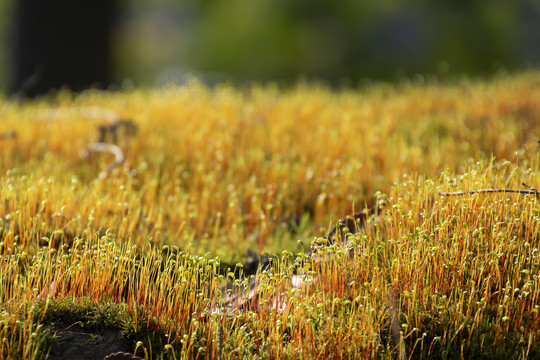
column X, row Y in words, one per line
column 61, row 43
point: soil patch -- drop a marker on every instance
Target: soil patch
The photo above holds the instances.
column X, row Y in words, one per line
column 73, row 341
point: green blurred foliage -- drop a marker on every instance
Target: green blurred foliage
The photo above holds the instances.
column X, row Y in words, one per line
column 236, row 40
column 163, row 41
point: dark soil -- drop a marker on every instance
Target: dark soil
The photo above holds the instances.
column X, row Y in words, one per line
column 75, row 342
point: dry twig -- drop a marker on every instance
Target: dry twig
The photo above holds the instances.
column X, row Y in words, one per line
column 110, row 148
column 531, row 191
column 122, row 356
column 118, row 159
column 220, row 341
column 395, row 329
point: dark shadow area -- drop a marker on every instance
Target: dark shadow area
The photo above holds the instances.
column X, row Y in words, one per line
column 79, row 45
column 76, row 342
column 61, row 43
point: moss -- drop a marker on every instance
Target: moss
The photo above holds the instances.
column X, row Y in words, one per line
column 89, row 320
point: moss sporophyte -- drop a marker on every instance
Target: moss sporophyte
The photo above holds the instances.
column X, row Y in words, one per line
column 135, row 222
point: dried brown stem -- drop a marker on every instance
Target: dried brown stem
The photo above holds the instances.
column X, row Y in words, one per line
column 118, row 159
column 220, row 341
column 122, row 356
column 353, row 223
column 110, row 148
column 531, row 191
column 395, row 329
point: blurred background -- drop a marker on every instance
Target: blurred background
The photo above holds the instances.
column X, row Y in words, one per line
column 123, row 43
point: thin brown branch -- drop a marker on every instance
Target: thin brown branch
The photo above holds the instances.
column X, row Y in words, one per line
column 395, row 329
column 122, row 356
column 220, row 341
column 483, row 191
column 531, row 188
column 110, row 148
column 531, row 191
column 353, row 223
column 118, row 159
